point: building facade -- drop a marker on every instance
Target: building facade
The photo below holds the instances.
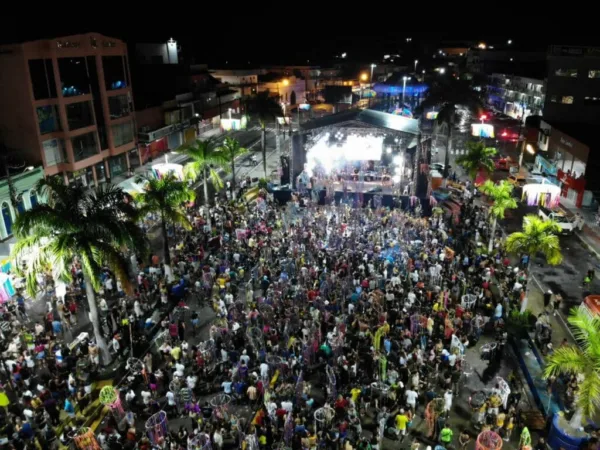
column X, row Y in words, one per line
column 71, row 107
column 27, row 197
column 516, row 96
column 573, row 86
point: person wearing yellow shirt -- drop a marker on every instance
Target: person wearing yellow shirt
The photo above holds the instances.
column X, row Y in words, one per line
column 401, row 422
column 355, row 393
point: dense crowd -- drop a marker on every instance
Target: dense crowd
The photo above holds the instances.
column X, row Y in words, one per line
column 338, row 326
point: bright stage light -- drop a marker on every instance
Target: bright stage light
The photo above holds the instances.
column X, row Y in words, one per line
column 354, row 148
column 388, row 150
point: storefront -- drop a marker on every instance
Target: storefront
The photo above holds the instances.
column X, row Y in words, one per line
column 570, row 158
column 153, row 150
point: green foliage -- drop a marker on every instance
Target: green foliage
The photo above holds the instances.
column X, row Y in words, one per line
column 537, row 236
column 581, row 360
column 501, row 196
column 166, row 197
column 262, row 183
column 232, row 148
column 264, row 107
column 519, row 324
column 77, row 223
column 437, row 211
column 478, row 157
column 206, row 157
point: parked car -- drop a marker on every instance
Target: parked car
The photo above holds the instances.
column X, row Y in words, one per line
column 440, row 167
column 567, row 224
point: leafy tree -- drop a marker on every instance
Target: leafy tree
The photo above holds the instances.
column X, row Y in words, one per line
column 77, row 223
column 453, row 98
column 581, row 360
column 166, row 197
column 502, row 199
column 478, row 157
column 232, row 148
column 206, row 158
column 264, row 107
column 538, row 236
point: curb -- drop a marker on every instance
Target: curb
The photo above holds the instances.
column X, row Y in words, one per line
column 587, row 245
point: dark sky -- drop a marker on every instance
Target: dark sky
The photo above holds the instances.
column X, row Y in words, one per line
column 294, row 32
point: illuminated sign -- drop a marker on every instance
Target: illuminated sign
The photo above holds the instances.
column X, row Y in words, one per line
column 482, row 130
column 431, row 115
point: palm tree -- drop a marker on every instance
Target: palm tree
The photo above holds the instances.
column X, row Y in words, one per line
column 453, row 98
column 232, row 148
column 264, row 107
column 538, row 236
column 501, row 196
column 580, row 360
column 206, row 159
column 478, row 157
column 76, row 223
column 166, row 197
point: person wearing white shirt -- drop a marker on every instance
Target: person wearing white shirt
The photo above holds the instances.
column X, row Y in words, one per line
column 146, row 396
column 191, row 381
column 245, row 358
column 264, row 371
column 179, row 370
column 171, row 398
column 287, row 405
column 411, row 398
column 448, row 401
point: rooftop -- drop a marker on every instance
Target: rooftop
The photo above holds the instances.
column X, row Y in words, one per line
column 368, row 117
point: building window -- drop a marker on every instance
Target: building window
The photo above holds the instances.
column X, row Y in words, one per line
column 115, row 75
column 564, row 99
column 73, row 76
column 54, row 152
column 591, row 101
column 20, row 204
column 122, row 133
column 118, row 165
column 101, row 172
column 84, row 146
column 41, row 74
column 118, row 106
column 79, row 115
column 594, row 73
column 48, row 120
column 570, row 73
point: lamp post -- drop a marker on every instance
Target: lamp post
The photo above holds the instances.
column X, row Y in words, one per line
column 416, row 62
column 371, row 82
column 404, row 79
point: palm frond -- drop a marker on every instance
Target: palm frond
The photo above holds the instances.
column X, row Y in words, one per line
column 565, row 361
column 588, row 398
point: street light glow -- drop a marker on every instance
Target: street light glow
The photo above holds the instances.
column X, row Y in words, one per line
column 364, row 76
column 530, row 149
column 286, row 82
column 509, row 41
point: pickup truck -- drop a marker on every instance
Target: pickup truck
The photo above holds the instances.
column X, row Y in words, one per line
column 567, row 224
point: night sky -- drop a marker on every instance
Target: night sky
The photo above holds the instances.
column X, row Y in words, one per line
column 272, row 33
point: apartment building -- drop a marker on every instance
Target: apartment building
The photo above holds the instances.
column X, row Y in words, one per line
column 516, row 96
column 68, row 105
column 573, row 87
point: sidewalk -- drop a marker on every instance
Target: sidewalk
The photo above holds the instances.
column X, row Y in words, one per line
column 590, row 235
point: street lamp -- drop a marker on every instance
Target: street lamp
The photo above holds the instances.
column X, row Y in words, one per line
column 416, row 62
column 363, row 77
column 509, row 41
column 404, row 79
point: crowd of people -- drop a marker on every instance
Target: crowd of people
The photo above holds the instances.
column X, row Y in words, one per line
column 339, row 327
